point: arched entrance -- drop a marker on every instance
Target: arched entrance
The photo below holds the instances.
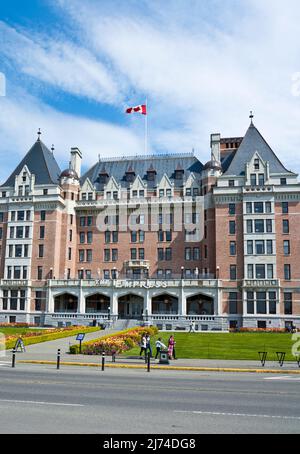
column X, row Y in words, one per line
column 97, row 303
column 165, row 304
column 130, row 306
column 200, row 305
column 66, row 303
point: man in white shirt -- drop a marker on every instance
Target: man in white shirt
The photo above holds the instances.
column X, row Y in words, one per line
column 159, row 347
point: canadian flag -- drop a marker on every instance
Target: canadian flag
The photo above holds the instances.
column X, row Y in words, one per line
column 139, row 109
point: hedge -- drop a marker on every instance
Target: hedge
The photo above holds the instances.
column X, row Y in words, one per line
column 114, row 343
column 66, row 332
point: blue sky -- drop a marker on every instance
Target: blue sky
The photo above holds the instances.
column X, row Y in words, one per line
column 72, row 66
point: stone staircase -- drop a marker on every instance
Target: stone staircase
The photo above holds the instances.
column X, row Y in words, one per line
column 121, row 324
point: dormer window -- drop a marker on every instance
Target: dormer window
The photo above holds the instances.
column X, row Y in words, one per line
column 151, row 173
column 283, row 181
column 103, row 176
column 256, row 164
column 261, row 179
column 130, row 175
column 24, row 177
column 179, row 172
column 253, row 179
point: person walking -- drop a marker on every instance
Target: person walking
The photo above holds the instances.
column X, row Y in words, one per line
column 159, row 347
column 192, row 327
column 143, row 345
column 148, row 344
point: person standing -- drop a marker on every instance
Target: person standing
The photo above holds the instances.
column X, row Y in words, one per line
column 171, row 347
column 192, row 327
column 143, row 345
column 159, row 347
column 148, row 344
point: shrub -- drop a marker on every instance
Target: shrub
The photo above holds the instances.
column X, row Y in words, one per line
column 114, row 343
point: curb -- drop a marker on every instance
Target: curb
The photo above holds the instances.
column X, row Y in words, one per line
column 180, row 368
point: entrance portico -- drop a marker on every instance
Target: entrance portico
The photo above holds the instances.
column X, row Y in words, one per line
column 130, row 306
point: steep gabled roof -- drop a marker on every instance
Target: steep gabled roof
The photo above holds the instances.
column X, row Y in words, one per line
column 41, row 162
column 252, row 142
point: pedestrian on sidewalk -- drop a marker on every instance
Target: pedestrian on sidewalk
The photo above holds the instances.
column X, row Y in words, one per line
column 159, row 347
column 171, row 348
column 148, row 345
column 192, row 327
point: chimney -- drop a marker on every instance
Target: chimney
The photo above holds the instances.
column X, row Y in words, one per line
column 215, row 140
column 76, row 157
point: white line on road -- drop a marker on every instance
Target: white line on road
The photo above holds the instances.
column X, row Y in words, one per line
column 215, row 413
column 40, row 403
column 283, row 377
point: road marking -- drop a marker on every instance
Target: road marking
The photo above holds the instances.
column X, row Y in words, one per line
column 284, row 377
column 40, row 403
column 215, row 413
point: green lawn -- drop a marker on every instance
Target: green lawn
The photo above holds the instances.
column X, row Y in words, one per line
column 243, row 346
column 7, row 331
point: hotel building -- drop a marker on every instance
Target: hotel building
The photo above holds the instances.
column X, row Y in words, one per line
column 231, row 257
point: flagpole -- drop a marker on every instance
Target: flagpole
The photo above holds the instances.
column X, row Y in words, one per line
column 146, row 128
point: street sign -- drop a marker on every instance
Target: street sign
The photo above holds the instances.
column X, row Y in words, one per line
column 80, row 337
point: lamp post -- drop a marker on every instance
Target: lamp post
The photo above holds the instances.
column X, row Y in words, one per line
column 182, row 272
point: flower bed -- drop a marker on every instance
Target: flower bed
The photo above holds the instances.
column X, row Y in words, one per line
column 114, row 343
column 35, row 337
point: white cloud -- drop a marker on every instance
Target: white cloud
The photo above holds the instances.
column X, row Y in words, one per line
column 20, row 119
column 61, row 64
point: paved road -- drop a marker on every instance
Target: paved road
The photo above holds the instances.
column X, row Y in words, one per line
column 39, row 399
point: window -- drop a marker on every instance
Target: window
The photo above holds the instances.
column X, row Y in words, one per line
column 13, row 216
column 233, row 309
column 42, row 232
column 69, row 253
column 282, row 181
column 250, row 247
column 250, row 302
column 107, row 236
column 248, row 207
column 43, row 215
column 258, row 207
column 81, row 255
column 40, row 273
column 106, row 274
column 269, row 225
column 256, row 164
column 38, row 300
column 141, row 254
column 187, row 254
column 25, row 250
column 272, row 303
column 160, row 274
column 231, row 183
column 89, row 237
column 269, row 247
column 106, row 255
column 115, row 237
column 270, row 272
column 249, row 226
column 70, row 235
column 287, row 272
column 268, row 207
column 169, row 235
column 259, row 247
column 133, row 254
column 250, row 272
column 134, row 237
column 232, row 248
column 1, row 233
column 253, row 179
column 232, row 227
column 161, row 193
column 168, row 253
column 89, row 221
column 18, row 250
column 196, row 253
column 82, row 221
column 288, row 303
column 82, row 237
column 14, row 300
column 11, row 232
column 160, row 254
column 261, row 179
column 285, row 207
column 286, row 247
column 232, row 272
column 285, row 226
column 260, row 272
column 231, row 208
column 261, row 302
column 28, row 214
column 19, row 232
column 27, row 231
column 114, row 255
column 41, row 250
column 259, row 226
column 45, row 191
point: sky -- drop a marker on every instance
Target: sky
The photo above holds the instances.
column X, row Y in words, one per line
column 71, row 67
